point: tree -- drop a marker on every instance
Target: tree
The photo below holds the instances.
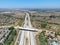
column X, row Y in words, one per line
column 43, row 25
column 11, row 28
column 42, row 38
column 52, row 16
column 57, row 33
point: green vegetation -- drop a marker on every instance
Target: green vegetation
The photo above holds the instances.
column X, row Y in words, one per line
column 20, row 22
column 10, row 36
column 43, row 25
column 49, row 36
column 42, row 38
column 57, row 33
column 1, row 44
column 11, row 28
column 48, row 22
column 33, row 16
column 52, row 16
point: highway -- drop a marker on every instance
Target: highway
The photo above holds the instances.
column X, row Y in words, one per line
column 32, row 38
column 29, row 35
column 21, row 42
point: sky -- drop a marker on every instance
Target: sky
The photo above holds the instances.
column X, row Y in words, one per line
column 29, row 3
